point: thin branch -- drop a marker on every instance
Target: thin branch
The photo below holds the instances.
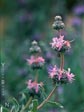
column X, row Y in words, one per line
column 49, row 96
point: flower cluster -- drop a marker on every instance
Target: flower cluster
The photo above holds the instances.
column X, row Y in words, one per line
column 59, row 44
column 33, row 85
column 60, row 76
column 36, row 62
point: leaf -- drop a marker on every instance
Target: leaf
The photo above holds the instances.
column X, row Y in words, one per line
column 25, row 90
column 3, row 109
column 23, row 97
column 33, row 106
column 15, row 104
column 43, row 94
column 55, row 104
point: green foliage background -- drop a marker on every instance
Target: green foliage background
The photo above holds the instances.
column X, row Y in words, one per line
column 26, row 20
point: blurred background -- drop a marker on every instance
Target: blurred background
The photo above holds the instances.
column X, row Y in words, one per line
column 22, row 21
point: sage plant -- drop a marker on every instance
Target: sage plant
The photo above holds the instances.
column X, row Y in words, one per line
column 58, row 75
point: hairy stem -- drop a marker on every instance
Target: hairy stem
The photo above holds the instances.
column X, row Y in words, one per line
column 59, row 32
column 49, row 96
column 36, row 78
column 62, row 61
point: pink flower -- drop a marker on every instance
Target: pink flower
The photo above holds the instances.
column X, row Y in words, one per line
column 67, row 43
column 57, row 42
column 35, row 60
column 39, row 59
column 52, row 72
column 60, row 72
column 69, row 75
column 31, row 60
column 34, row 85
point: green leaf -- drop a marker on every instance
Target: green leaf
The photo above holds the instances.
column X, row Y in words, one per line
column 23, row 97
column 35, row 104
column 3, row 109
column 15, row 104
column 43, row 94
column 55, row 104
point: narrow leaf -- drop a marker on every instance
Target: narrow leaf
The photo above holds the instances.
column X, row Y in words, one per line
column 3, row 109
column 35, row 104
column 55, row 104
column 15, row 104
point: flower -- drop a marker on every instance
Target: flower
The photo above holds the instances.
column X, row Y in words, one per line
column 31, row 60
column 60, row 72
column 69, row 75
column 60, row 44
column 35, row 60
column 67, row 43
column 34, row 85
column 60, row 76
column 76, row 21
column 79, row 10
column 57, row 42
column 52, row 71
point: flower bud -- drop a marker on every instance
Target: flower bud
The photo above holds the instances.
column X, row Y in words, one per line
column 57, row 18
column 62, row 25
column 58, row 24
column 34, row 43
column 35, row 48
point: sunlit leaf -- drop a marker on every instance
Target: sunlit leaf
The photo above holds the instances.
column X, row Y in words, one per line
column 3, row 109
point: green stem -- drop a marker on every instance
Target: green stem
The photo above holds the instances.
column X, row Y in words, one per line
column 49, row 96
column 27, row 104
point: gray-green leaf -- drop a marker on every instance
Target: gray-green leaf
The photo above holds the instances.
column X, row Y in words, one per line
column 3, row 109
column 55, row 104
